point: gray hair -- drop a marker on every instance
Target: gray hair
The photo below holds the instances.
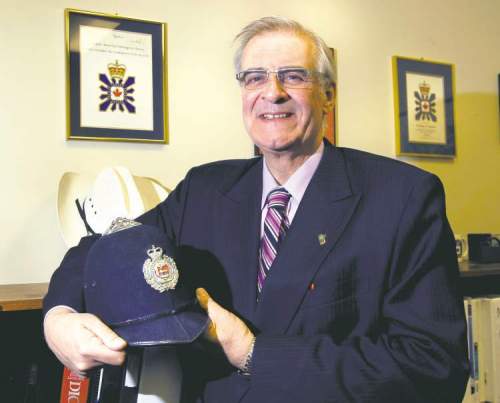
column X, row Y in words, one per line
column 324, row 58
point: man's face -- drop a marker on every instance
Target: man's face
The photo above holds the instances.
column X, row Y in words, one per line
column 280, row 119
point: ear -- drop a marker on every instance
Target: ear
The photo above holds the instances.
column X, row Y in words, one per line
column 330, row 94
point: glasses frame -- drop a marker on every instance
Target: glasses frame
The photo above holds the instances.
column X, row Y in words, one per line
column 312, row 75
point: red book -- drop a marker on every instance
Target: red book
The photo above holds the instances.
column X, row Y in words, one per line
column 74, row 388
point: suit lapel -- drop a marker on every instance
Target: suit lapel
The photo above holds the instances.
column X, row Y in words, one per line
column 324, row 211
column 240, row 228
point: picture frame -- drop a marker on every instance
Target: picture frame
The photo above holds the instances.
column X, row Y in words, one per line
column 331, row 118
column 116, row 78
column 424, row 107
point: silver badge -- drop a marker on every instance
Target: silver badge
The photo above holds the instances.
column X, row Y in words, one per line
column 160, row 270
column 119, row 224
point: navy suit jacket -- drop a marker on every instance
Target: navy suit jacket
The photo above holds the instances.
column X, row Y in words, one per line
column 372, row 314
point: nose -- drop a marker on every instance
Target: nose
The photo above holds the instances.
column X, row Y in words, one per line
column 274, row 91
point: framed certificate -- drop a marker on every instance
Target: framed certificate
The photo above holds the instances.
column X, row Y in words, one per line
column 424, row 107
column 116, row 79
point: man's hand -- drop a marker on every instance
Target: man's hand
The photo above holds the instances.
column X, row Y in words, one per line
column 81, row 341
column 226, row 329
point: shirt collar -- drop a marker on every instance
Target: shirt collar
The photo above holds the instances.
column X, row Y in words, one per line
column 296, row 184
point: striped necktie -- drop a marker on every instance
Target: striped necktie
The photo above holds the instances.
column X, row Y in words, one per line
column 275, row 226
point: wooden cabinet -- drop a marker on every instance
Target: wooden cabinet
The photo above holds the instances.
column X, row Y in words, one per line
column 26, row 364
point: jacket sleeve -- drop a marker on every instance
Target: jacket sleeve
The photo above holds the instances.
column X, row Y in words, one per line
column 419, row 354
column 66, row 283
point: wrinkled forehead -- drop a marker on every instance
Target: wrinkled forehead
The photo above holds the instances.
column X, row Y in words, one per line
column 276, row 49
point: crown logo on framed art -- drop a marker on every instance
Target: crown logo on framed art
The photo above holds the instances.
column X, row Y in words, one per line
column 117, row 71
column 116, row 91
column 425, row 102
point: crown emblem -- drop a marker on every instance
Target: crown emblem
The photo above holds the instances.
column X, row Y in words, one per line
column 424, row 88
column 116, row 70
column 425, row 103
column 160, row 270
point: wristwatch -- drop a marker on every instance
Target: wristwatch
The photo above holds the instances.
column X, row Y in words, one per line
column 245, row 370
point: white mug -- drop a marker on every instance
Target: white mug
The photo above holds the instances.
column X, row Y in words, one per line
column 461, row 247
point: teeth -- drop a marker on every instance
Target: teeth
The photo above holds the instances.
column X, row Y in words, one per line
column 275, row 116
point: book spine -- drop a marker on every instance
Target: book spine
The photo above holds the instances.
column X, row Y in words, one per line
column 472, row 393
column 485, row 359
column 477, row 349
column 495, row 345
column 74, row 387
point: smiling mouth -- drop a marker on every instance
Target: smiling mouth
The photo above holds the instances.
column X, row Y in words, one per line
column 271, row 116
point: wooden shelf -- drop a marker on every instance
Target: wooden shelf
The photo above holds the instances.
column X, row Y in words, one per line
column 22, row 297
column 469, row 269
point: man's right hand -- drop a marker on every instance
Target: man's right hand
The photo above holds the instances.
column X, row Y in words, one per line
column 81, row 341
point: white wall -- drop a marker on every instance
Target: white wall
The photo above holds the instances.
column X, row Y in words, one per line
column 204, row 110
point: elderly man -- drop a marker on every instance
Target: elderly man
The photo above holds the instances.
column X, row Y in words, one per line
column 329, row 274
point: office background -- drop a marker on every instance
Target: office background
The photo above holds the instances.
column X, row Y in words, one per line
column 204, row 108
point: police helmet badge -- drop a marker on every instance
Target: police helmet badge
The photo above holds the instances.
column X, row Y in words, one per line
column 119, row 224
column 160, row 270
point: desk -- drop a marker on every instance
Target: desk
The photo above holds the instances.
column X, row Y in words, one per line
column 22, row 297
column 478, row 279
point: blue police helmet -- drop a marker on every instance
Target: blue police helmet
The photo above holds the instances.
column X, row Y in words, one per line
column 132, row 283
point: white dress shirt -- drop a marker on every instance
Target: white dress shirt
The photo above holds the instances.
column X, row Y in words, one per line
column 296, row 185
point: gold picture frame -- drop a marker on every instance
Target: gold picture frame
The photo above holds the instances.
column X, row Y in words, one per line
column 116, row 78
column 424, row 95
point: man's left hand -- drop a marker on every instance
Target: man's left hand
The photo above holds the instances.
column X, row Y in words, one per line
column 226, row 329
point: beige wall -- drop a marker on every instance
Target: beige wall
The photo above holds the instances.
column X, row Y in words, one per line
column 204, row 109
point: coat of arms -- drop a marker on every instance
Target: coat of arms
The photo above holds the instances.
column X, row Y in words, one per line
column 160, row 270
column 425, row 103
column 116, row 90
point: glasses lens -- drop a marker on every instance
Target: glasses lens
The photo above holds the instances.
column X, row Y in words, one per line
column 294, row 78
column 254, row 79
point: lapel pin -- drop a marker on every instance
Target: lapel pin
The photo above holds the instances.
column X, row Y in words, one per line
column 322, row 239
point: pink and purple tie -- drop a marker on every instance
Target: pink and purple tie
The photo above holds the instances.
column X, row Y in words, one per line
column 275, row 226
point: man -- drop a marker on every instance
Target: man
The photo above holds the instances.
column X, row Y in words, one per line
column 340, row 286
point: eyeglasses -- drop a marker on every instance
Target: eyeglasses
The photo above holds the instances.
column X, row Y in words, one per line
column 289, row 77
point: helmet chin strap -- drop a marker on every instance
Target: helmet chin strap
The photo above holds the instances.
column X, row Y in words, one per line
column 83, row 216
